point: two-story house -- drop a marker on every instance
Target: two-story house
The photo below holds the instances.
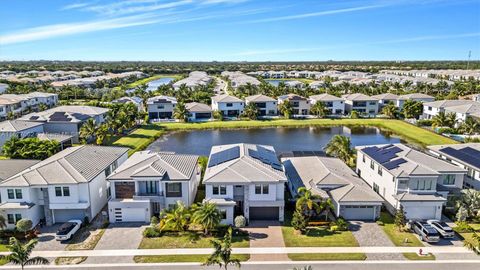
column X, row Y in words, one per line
column 403, row 176
column 19, row 129
column 149, row 182
column 37, row 98
column 266, row 106
column 12, row 104
column 334, row 104
column 161, row 107
column 230, row 106
column 419, row 97
column 68, row 185
column 361, row 103
column 385, row 98
column 300, row 105
column 431, row 109
column 245, row 179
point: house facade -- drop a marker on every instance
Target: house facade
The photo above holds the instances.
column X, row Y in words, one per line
column 198, row 112
column 245, row 179
column 334, row 104
column 431, row 109
column 149, row 182
column 300, row 105
column 419, row 97
column 361, row 103
column 19, row 129
column 161, row 107
column 385, row 99
column 230, row 106
column 69, row 185
column 266, row 106
column 403, row 176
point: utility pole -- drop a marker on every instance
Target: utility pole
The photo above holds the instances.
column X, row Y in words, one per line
column 469, row 55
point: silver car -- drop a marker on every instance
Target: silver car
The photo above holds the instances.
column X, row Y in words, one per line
column 426, row 232
column 442, row 228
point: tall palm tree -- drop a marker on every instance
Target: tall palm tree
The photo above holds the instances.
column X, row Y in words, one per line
column 207, row 215
column 340, row 146
column 452, row 119
column 473, row 244
column 470, row 126
column 251, row 111
column 319, row 109
column 88, row 129
column 440, row 120
column 390, row 110
column 180, row 112
column 222, row 255
column 286, row 109
column 311, row 204
column 20, row 254
column 101, row 134
column 176, row 218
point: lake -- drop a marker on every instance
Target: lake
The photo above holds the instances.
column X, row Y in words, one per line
column 276, row 82
column 284, row 139
column 153, row 85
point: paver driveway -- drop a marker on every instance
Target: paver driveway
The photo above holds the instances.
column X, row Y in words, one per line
column 119, row 236
column 369, row 234
column 266, row 234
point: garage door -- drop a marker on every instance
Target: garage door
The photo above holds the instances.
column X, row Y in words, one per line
column 358, row 212
column 263, row 213
column 130, row 214
column 421, row 212
column 66, row 215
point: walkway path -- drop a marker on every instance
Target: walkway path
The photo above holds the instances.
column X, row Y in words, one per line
column 369, row 234
column 266, row 234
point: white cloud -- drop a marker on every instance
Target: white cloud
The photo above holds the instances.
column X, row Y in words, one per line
column 75, row 6
column 134, row 6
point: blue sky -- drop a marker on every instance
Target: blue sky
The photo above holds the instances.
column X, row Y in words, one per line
column 239, row 30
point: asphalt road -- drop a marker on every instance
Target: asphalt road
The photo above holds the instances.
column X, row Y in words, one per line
column 283, row 266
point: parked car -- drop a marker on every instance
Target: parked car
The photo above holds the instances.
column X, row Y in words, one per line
column 442, row 228
column 426, row 232
column 68, row 229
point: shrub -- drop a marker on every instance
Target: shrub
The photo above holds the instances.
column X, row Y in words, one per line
column 424, row 123
column 240, row 221
column 462, row 227
column 24, row 225
column 154, row 221
column 299, row 222
column 151, row 232
column 333, row 228
column 462, row 214
column 341, row 224
column 380, row 223
column 446, row 130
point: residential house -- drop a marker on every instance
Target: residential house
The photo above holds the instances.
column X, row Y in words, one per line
column 431, row 109
column 230, row 106
column 317, row 85
column 462, row 112
column 149, row 182
column 415, row 97
column 334, row 104
column 266, row 106
column 3, row 87
column 245, row 179
column 294, row 84
column 238, row 78
column 10, row 167
column 68, row 185
column 161, row 107
column 13, row 104
column 331, row 178
column 361, row 103
column 19, row 129
column 385, row 99
column 465, row 156
column 64, row 140
column 137, row 101
column 194, row 79
column 300, row 105
column 37, row 98
column 406, row 177
column 198, row 111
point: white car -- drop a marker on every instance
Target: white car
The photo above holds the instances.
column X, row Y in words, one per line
column 68, row 229
column 443, row 229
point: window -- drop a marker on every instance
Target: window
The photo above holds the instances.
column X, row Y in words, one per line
column 108, row 171
column 174, row 189
column 58, row 191
column 13, row 218
column 429, row 108
column 229, row 105
column 14, row 194
column 376, row 188
column 363, row 158
column 66, row 191
column 219, row 190
column 160, row 107
column 151, row 187
column 373, row 103
column 261, row 189
column 11, row 195
column 223, row 214
column 62, row 191
column 372, row 165
column 449, row 179
column 380, row 171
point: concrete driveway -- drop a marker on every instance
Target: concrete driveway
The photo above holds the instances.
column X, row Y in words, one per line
column 46, row 240
column 266, row 234
column 119, row 236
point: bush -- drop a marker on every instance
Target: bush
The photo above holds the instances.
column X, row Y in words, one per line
column 380, row 223
column 151, row 232
column 299, row 222
column 333, row 228
column 424, row 123
column 240, row 221
column 341, row 224
column 462, row 227
column 446, row 130
column 154, row 221
column 24, row 225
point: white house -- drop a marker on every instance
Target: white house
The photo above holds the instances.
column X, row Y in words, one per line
column 245, row 179
column 10, row 167
column 12, row 104
column 238, row 78
column 198, row 111
column 194, row 79
column 137, row 101
column 149, row 182
column 465, row 156
column 415, row 97
column 37, row 98
column 230, row 106
column 19, row 129
column 403, row 176
column 332, row 178
column 69, row 185
column 266, row 106
column 384, row 99
column 361, row 103
column 161, row 107
column 462, row 112
column 334, row 104
column 300, row 105
column 431, row 109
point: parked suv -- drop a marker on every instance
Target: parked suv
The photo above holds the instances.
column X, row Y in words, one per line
column 426, row 232
column 67, row 230
column 442, row 228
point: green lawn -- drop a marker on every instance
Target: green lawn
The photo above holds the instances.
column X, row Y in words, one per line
column 2, row 249
column 414, row 256
column 188, row 240
column 475, row 226
column 182, row 258
column 327, row 256
column 398, row 238
column 139, row 139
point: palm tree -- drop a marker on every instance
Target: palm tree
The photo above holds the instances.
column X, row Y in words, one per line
column 180, row 112
column 206, row 215
column 20, row 254
column 340, row 146
column 251, row 111
column 440, row 120
column 390, row 110
column 473, row 244
column 452, row 119
column 101, row 134
column 176, row 218
column 286, row 109
column 88, row 129
column 412, row 109
column 222, row 256
column 470, row 126
column 318, row 109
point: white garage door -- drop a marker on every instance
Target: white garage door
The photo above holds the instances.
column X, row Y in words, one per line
column 421, row 212
column 358, row 212
column 68, row 214
column 130, row 214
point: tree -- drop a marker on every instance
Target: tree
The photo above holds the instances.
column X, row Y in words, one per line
column 240, row 221
column 441, row 120
column 207, row 215
column 462, row 214
column 473, row 244
column 470, row 201
column 180, row 112
column 218, row 115
column 88, row 129
column 20, row 254
column 319, row 110
column 299, row 222
column 101, row 133
column 222, row 255
column 400, row 219
column 286, row 109
column 176, row 218
column 310, row 204
column 390, row 110
column 30, row 148
column 340, row 146
column 412, row 109
column 470, row 126
column 354, row 115
column 251, row 111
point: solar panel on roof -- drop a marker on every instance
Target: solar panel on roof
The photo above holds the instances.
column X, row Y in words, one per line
column 224, row 156
column 470, row 156
column 394, row 163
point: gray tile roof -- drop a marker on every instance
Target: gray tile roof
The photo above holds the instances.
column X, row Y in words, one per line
column 448, row 103
column 358, row 97
column 79, row 164
column 386, row 96
column 10, row 167
column 226, row 98
column 419, row 197
column 198, row 107
column 17, row 125
column 416, row 96
column 259, row 98
column 291, row 97
column 168, row 166
column 73, row 113
column 54, row 137
column 325, row 97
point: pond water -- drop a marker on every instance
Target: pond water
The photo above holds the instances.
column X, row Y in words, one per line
column 276, row 82
column 153, row 85
column 283, row 139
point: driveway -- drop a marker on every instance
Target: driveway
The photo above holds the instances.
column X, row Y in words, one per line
column 369, row 234
column 119, row 236
column 46, row 240
column 266, row 234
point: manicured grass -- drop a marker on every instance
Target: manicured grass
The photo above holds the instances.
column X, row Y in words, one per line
column 475, row 226
column 139, row 139
column 3, row 157
column 316, row 237
column 327, row 256
column 152, row 78
column 414, row 256
column 398, row 238
column 188, row 240
column 182, row 258
column 69, row 260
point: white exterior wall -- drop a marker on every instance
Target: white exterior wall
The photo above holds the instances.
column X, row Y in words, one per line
column 302, row 105
column 209, row 193
column 270, row 106
column 370, row 106
column 222, row 106
column 430, row 112
column 336, row 105
column 229, row 213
